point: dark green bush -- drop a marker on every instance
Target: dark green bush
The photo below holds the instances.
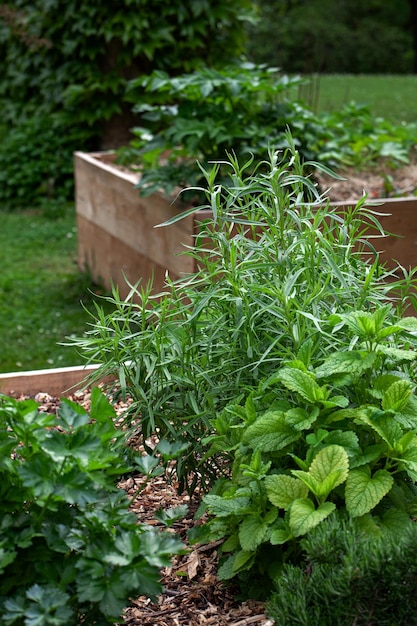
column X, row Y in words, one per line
column 70, row 63
column 349, row 578
column 70, row 550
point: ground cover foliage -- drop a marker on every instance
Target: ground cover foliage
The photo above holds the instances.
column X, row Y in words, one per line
column 277, row 377
column 70, row 551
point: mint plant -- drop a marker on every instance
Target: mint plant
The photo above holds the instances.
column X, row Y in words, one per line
column 338, row 436
column 273, row 260
column 70, row 550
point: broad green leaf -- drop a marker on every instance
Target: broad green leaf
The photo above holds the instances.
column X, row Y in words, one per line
column 356, row 413
column 280, row 536
column 221, row 507
column 397, row 353
column 396, row 521
column 408, row 324
column 303, row 515
column 345, row 438
column 329, row 469
column 270, row 432
column 302, row 383
column 243, row 560
column 302, row 419
column 101, row 409
column 282, row 490
column 72, row 415
column 387, row 428
column 363, row 491
column 330, row 459
column 252, row 532
column 370, row 454
column 226, row 571
column 353, row 363
column 396, row 397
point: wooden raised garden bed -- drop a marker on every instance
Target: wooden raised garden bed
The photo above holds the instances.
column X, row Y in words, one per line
column 117, row 238
column 57, row 381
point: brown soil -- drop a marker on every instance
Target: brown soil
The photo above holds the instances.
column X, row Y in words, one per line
column 379, row 181
column 193, row 596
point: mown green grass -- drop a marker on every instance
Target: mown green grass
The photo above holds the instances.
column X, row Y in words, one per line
column 391, row 97
column 42, row 292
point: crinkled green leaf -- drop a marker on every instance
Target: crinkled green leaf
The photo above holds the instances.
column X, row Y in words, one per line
column 329, row 469
column 387, row 428
column 280, row 536
column 222, row 507
column 270, row 432
column 301, row 418
column 252, row 532
column 302, row 383
column 243, row 560
column 282, row 490
column 397, row 354
column 363, row 491
column 303, row 516
column 396, row 397
column 354, row 363
column 407, row 324
column 370, row 454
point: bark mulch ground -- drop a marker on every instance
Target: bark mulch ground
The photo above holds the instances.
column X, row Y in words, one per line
column 193, row 596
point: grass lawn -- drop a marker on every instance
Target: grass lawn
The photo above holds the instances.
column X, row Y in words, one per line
column 391, row 97
column 41, row 289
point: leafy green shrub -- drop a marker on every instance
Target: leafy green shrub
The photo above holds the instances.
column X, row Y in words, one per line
column 273, row 260
column 205, row 114
column 36, row 162
column 70, row 551
column 347, row 577
column 314, row 438
column 244, row 108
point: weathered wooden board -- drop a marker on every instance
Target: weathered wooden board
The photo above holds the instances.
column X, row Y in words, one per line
column 117, row 227
column 55, row 382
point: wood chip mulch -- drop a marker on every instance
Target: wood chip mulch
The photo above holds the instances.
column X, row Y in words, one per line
column 193, row 596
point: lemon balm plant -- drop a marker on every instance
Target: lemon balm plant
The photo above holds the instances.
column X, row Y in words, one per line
column 272, row 261
column 315, row 438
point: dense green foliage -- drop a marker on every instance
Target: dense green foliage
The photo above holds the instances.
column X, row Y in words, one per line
column 204, row 114
column 347, row 577
column 43, row 295
column 67, row 67
column 312, row 439
column 359, row 36
column 70, row 551
column 273, row 260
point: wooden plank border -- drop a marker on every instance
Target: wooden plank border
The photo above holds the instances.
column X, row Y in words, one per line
column 58, row 381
